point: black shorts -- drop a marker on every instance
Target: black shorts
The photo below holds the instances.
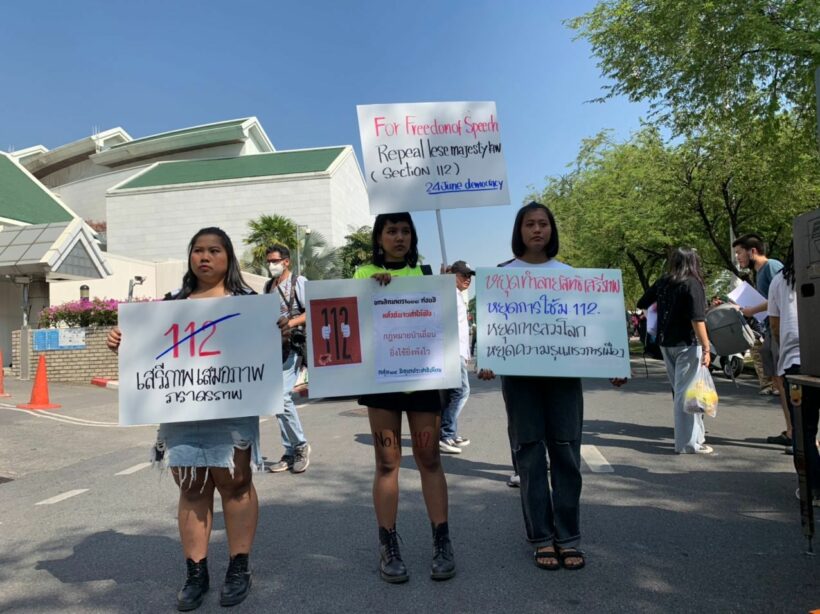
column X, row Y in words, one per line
column 428, row 401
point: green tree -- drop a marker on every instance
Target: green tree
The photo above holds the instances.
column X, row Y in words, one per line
column 617, row 208
column 709, row 61
column 625, row 204
column 356, row 251
column 756, row 181
column 265, row 231
column 317, row 259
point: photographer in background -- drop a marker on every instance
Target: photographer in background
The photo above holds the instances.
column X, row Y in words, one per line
column 291, row 301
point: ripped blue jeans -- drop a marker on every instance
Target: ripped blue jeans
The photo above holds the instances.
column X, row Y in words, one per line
column 545, row 416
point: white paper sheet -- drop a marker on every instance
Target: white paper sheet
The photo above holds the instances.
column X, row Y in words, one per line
column 745, row 295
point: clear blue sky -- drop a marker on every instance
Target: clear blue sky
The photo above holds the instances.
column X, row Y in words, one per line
column 301, row 68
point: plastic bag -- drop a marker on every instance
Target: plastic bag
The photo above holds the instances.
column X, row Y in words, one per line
column 701, row 396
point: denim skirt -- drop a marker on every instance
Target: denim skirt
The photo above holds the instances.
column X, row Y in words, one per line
column 208, row 443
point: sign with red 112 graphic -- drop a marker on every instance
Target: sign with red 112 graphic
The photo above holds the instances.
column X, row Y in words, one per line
column 364, row 338
column 335, row 332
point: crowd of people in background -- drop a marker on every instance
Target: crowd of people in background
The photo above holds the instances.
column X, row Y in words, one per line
column 544, row 414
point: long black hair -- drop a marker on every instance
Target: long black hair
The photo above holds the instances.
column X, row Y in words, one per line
column 788, row 266
column 518, row 247
column 684, row 263
column 234, row 283
column 412, row 255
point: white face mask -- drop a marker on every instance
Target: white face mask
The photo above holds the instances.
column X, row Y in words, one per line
column 276, row 269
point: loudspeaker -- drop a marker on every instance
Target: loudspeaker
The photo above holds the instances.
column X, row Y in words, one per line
column 807, row 286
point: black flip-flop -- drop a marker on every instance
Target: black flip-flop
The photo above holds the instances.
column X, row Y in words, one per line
column 553, row 556
column 571, row 553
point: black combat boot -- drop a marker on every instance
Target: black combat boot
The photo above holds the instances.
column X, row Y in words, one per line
column 444, row 563
column 391, row 567
column 237, row 581
column 196, row 585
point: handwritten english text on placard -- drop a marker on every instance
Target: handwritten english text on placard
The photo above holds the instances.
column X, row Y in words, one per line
column 425, row 156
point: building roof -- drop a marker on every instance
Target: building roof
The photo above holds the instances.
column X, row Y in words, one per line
column 48, row 162
column 259, row 165
column 24, row 200
column 186, row 139
column 183, row 131
column 65, row 250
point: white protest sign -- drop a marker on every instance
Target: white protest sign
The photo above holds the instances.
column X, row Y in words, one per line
column 746, row 295
column 200, row 359
column 432, row 155
column 551, row 322
column 364, row 338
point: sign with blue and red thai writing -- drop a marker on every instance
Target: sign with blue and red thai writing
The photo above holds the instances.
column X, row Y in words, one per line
column 560, row 322
column 432, row 155
column 200, row 359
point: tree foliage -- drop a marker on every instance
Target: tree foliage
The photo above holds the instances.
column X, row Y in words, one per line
column 356, row 250
column 317, row 259
column 624, row 205
column 709, row 61
column 264, row 232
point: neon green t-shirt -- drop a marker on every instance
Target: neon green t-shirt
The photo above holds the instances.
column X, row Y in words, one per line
column 368, row 270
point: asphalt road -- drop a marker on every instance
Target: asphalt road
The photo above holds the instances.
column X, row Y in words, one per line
column 86, row 526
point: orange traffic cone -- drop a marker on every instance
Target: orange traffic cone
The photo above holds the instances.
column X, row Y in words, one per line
column 39, row 394
column 3, row 393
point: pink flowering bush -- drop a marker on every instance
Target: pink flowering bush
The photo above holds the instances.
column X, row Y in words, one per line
column 94, row 312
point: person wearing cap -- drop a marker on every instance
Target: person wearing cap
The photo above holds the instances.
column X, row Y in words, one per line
column 450, row 441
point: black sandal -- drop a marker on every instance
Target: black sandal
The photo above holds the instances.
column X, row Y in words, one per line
column 571, row 553
column 549, row 559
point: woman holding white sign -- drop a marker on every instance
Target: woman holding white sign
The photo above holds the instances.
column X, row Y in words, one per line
column 395, row 254
column 211, row 455
column 545, row 416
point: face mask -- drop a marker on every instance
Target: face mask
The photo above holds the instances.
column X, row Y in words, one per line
column 276, row 269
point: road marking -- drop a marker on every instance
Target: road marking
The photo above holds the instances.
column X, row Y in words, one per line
column 71, row 419
column 63, row 497
column 595, row 460
column 133, row 469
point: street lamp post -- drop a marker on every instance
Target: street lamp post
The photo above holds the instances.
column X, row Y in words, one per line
column 302, row 232
column 137, row 281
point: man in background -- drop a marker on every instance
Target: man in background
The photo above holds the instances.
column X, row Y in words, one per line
column 450, row 441
column 292, row 318
column 750, row 251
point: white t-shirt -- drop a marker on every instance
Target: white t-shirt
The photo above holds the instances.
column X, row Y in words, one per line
column 783, row 305
column 463, row 325
column 549, row 264
column 286, row 287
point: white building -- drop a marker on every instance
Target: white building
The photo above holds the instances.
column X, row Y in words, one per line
column 148, row 197
column 154, row 213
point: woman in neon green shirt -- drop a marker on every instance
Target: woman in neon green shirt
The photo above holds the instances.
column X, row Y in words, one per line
column 395, row 253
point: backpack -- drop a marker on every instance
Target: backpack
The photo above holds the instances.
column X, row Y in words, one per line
column 729, row 333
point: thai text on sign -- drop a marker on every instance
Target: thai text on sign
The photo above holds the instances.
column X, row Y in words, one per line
column 199, row 359
column 551, row 322
column 410, row 333
column 424, row 156
column 365, row 338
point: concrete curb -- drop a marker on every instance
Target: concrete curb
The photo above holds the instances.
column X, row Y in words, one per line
column 104, row 382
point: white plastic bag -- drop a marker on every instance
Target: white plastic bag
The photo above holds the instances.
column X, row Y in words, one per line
column 701, row 396
column 652, row 320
